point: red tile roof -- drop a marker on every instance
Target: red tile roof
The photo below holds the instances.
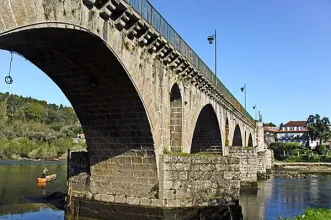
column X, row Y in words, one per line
column 296, row 124
column 297, row 131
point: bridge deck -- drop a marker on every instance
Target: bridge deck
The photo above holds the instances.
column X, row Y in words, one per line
column 151, row 15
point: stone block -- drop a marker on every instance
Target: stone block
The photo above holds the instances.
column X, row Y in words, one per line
column 132, row 200
column 186, row 202
column 171, row 203
column 98, row 197
column 145, row 201
column 167, row 184
column 136, row 160
column 169, row 194
column 157, row 202
column 120, row 199
column 108, row 198
column 230, row 175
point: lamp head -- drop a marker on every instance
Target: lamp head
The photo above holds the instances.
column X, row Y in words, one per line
column 242, row 89
column 210, row 39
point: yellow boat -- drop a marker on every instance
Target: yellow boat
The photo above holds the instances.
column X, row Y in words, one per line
column 46, row 179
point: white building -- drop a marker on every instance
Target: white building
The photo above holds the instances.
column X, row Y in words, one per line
column 296, row 131
column 293, row 131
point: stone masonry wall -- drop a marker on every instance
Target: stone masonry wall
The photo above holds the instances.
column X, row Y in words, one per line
column 133, row 174
column 260, row 136
column 261, row 160
column 248, row 162
column 193, row 180
column 269, row 159
column 79, row 171
column 265, row 160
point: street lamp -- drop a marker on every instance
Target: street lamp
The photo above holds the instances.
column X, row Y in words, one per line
column 210, row 40
column 254, row 107
column 243, row 89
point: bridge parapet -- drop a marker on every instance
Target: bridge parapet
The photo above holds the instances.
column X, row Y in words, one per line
column 141, row 22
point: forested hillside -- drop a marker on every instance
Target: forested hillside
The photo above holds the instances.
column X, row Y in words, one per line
column 35, row 129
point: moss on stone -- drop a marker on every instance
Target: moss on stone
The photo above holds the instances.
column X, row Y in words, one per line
column 188, row 154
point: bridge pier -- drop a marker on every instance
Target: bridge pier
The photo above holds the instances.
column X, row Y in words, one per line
column 187, row 184
column 248, row 166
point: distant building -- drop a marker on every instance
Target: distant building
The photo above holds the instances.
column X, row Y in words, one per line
column 296, row 131
column 293, row 131
column 268, row 129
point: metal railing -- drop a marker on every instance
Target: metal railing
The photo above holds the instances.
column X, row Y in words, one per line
column 151, row 15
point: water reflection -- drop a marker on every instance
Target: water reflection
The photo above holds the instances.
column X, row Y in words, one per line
column 275, row 197
column 286, row 197
column 252, row 203
column 19, row 181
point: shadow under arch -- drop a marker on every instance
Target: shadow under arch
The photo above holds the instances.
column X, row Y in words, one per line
column 237, row 139
column 104, row 97
column 227, row 132
column 250, row 140
column 176, row 118
column 207, row 134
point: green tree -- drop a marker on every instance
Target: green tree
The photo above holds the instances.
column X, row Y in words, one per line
column 35, row 111
column 270, row 124
column 318, row 128
column 3, row 113
column 321, row 149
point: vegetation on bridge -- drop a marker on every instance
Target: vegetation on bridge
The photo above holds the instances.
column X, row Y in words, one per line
column 34, row 129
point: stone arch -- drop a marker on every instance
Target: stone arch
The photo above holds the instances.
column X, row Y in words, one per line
column 227, row 131
column 176, row 118
column 237, row 139
column 207, row 134
column 105, row 98
column 250, row 140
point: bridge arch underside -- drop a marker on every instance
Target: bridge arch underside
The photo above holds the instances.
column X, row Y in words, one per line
column 237, row 139
column 250, row 140
column 176, row 114
column 113, row 117
column 207, row 134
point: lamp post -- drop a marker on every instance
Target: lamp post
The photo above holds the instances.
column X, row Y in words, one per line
column 254, row 107
column 243, row 89
column 210, row 40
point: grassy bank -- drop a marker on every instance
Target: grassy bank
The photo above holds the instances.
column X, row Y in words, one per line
column 312, row 214
column 19, row 148
column 303, row 167
column 307, row 158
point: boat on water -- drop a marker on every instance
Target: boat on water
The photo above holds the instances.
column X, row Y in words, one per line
column 46, row 179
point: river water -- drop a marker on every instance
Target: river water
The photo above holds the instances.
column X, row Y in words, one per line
column 275, row 197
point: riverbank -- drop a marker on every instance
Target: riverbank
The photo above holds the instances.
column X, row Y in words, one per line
column 26, row 149
column 303, row 167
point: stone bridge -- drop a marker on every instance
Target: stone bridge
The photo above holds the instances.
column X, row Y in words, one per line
column 139, row 91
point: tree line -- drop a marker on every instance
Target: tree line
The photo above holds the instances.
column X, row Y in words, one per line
column 26, row 122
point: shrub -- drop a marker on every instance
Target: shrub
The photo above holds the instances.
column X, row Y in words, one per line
column 321, row 149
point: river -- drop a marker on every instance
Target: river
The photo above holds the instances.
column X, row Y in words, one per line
column 275, row 197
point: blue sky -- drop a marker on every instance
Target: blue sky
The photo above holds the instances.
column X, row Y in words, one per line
column 281, row 49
